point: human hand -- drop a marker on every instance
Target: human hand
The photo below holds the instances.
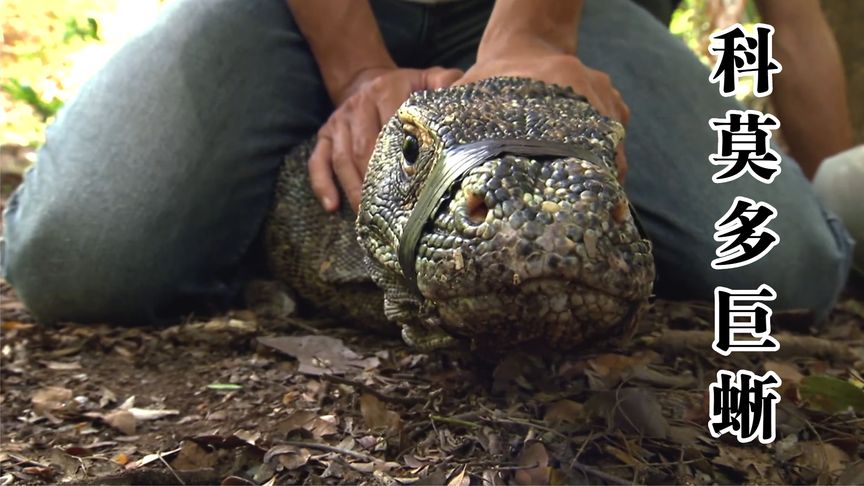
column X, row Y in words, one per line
column 559, row 68
column 347, row 139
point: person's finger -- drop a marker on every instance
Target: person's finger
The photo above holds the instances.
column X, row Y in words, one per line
column 600, row 103
column 321, row 175
column 621, row 162
column 388, row 101
column 343, row 163
column 621, row 107
column 365, row 125
column 438, row 77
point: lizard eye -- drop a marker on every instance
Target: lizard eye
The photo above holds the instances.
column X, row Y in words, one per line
column 410, row 149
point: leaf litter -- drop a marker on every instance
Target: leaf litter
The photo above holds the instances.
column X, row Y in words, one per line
column 235, row 399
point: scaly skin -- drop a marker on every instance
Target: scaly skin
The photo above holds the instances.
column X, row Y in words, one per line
column 522, row 249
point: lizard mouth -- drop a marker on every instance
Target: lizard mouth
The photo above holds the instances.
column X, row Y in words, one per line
column 555, row 311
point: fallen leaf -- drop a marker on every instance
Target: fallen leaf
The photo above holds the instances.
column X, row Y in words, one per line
column 127, row 404
column 377, row 415
column 854, row 474
column 62, row 366
column 625, row 457
column 787, row 448
column 78, row 451
column 44, row 472
column 832, row 395
column 192, row 456
column 51, row 399
column 151, row 414
column 8, row 326
column 565, row 411
column 460, row 479
column 371, row 467
column 310, row 422
column 122, row 420
column 631, row 410
column 296, row 421
column 251, row 437
column 535, row 461
column 236, row 481
column 225, row 386
column 686, row 435
column 786, row 371
column 149, row 458
column 749, row 461
column 822, row 457
column 320, row 354
column 290, row 457
column 121, row 459
column 324, row 425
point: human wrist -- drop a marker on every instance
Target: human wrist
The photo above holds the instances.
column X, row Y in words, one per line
column 342, row 53
column 520, row 28
column 514, row 45
column 341, row 75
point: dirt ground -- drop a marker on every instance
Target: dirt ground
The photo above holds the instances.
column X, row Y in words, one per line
column 248, row 399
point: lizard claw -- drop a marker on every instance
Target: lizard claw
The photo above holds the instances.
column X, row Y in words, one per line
column 427, row 339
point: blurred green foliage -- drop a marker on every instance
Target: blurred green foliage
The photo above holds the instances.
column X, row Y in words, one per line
column 84, row 31
column 43, row 37
column 23, row 92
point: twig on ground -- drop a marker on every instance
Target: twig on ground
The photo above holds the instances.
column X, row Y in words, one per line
column 680, row 342
column 329, row 448
column 455, row 421
column 368, row 389
column 171, row 469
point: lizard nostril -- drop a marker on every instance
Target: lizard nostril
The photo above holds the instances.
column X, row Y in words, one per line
column 476, row 208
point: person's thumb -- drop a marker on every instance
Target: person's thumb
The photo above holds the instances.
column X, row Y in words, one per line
column 438, row 77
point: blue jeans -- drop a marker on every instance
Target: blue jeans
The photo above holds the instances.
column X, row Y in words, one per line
column 155, row 179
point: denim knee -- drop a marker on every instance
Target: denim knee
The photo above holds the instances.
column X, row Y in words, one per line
column 60, row 273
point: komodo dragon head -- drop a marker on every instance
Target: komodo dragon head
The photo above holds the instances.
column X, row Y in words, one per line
column 492, row 211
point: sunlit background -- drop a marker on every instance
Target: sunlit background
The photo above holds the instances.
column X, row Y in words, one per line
column 50, row 47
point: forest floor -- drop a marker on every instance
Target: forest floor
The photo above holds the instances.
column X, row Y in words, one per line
column 243, row 400
column 262, row 398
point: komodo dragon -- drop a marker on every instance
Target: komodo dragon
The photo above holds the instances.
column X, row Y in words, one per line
column 490, row 212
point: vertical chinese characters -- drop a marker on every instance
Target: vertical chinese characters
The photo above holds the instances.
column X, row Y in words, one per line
column 743, row 55
column 743, row 404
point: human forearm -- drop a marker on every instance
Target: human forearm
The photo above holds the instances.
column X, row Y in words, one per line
column 344, row 38
column 810, row 93
column 517, row 25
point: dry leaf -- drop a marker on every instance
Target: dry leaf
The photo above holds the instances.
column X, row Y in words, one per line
column 50, row 399
column 320, row 354
column 630, row 410
column 122, row 420
column 290, row 457
column 822, row 457
column 460, row 479
column 786, row 371
column 62, row 366
column 151, row 414
column 376, row 414
column 565, row 411
column 192, row 456
column 121, row 458
column 308, row 421
column 536, row 461
column 149, row 458
column 8, row 326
